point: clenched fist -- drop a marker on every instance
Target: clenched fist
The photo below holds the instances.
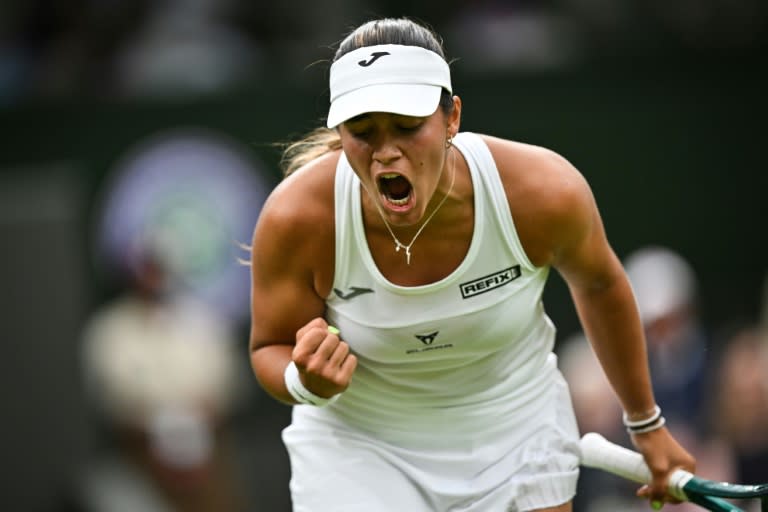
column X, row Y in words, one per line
column 324, row 362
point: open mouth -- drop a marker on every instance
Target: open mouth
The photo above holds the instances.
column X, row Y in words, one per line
column 395, row 189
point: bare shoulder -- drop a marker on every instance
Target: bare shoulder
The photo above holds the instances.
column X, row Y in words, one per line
column 304, row 194
column 297, row 218
column 535, row 170
column 549, row 198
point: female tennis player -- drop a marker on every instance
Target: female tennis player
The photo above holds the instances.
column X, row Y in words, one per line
column 397, row 276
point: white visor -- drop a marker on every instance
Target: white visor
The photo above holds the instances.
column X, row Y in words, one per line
column 406, row 80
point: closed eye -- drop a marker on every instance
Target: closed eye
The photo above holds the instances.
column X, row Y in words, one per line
column 360, row 134
column 407, row 124
column 409, row 128
column 362, row 127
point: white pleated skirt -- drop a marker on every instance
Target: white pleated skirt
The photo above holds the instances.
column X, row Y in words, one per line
column 532, row 465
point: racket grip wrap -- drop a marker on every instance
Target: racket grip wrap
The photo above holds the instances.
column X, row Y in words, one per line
column 597, row 452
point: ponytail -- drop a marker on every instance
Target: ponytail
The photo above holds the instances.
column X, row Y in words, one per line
column 312, row 146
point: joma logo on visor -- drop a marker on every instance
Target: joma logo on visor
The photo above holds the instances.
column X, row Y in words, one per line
column 374, row 57
column 489, row 282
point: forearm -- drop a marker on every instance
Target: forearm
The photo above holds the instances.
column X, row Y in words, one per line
column 611, row 322
column 268, row 363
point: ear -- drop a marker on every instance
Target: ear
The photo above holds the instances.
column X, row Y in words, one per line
column 454, row 119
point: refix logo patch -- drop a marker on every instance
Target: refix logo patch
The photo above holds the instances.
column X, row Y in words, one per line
column 489, row 282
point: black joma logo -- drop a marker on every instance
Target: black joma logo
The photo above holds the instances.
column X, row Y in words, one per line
column 427, row 339
column 489, row 282
column 374, row 57
column 353, row 292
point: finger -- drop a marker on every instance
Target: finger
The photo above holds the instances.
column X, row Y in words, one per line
column 339, row 355
column 348, row 367
column 309, row 343
column 658, row 488
column 647, row 492
column 318, row 322
column 327, row 347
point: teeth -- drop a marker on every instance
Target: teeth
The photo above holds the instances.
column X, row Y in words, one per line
column 398, row 202
column 389, row 175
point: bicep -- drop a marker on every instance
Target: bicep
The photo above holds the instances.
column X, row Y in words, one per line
column 583, row 255
column 283, row 296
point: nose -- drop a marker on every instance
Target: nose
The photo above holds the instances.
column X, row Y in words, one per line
column 385, row 148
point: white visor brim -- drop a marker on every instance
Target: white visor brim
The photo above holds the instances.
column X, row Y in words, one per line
column 397, row 79
column 403, row 99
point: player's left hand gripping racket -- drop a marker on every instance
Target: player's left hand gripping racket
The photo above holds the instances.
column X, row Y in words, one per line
column 598, row 452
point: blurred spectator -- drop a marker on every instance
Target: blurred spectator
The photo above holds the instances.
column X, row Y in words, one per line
column 512, row 36
column 741, row 399
column 163, row 375
column 666, row 290
column 679, row 355
column 62, row 48
column 595, row 404
column 184, row 49
column 597, row 410
column 197, row 46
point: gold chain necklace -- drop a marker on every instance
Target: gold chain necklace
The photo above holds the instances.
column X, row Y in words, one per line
column 400, row 245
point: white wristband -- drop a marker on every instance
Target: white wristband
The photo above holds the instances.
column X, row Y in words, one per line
column 656, row 425
column 643, row 423
column 301, row 394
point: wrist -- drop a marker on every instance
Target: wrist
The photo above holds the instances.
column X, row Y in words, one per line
column 299, row 392
column 635, row 419
column 648, row 422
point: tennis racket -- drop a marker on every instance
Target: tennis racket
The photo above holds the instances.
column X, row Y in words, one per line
column 597, row 452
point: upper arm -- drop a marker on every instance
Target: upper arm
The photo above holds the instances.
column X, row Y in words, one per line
column 581, row 251
column 286, row 256
column 555, row 214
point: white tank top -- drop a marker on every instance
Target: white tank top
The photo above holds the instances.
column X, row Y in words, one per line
column 469, row 353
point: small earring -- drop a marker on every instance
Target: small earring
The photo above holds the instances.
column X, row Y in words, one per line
column 449, row 141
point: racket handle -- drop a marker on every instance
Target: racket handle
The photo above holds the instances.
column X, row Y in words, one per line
column 597, row 452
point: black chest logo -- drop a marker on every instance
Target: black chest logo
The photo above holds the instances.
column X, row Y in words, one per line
column 427, row 339
column 353, row 292
column 489, row 282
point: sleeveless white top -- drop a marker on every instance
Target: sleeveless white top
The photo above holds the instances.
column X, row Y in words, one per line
column 471, row 353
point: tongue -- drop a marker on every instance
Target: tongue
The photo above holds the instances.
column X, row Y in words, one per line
column 398, row 187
